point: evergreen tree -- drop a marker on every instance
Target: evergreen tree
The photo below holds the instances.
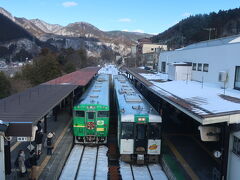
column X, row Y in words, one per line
column 43, row 69
column 5, row 86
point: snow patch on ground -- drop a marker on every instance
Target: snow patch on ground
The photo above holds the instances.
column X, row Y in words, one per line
column 109, row 69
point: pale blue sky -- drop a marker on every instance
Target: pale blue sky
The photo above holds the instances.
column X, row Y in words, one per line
column 150, row 16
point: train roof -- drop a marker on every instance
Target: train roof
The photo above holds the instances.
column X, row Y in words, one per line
column 98, row 91
column 130, row 99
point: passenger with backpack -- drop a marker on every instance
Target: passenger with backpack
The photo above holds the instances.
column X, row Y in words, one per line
column 49, row 143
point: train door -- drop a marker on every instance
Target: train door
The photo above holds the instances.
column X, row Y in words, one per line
column 90, row 123
column 140, row 139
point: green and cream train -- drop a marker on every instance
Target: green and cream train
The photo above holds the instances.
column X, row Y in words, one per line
column 139, row 124
column 91, row 113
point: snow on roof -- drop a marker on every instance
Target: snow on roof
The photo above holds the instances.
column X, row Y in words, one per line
column 213, row 42
column 158, row 76
column 206, row 102
column 208, row 98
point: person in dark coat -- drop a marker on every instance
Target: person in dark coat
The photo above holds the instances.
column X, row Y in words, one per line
column 39, row 125
column 33, row 162
column 39, row 141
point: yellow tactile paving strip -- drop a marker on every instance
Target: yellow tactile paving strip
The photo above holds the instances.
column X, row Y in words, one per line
column 47, row 158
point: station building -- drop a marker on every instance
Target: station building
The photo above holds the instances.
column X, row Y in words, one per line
column 203, row 81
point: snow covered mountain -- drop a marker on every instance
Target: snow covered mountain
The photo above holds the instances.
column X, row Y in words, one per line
column 68, row 36
column 45, row 27
column 7, row 14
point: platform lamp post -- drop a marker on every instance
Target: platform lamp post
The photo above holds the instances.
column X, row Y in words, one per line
column 3, row 128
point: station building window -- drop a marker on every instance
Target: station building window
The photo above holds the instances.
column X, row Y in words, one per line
column 236, row 146
column 199, row 68
column 237, row 78
column 194, row 66
column 205, row 67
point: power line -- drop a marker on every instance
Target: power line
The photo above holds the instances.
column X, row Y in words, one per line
column 209, row 31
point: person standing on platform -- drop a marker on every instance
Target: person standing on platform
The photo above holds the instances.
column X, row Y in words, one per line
column 21, row 163
column 39, row 141
column 33, row 162
column 39, row 125
column 49, row 143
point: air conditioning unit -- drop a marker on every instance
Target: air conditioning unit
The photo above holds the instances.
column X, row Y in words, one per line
column 209, row 133
column 222, row 77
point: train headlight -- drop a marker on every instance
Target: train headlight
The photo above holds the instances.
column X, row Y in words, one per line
column 141, row 119
column 91, row 107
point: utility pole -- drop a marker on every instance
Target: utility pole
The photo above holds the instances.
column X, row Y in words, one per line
column 209, row 32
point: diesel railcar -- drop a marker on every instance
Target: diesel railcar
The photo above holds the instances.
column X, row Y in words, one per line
column 91, row 113
column 139, row 124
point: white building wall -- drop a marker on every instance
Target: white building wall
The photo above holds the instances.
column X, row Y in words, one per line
column 171, row 72
column 233, row 160
column 220, row 58
column 183, row 72
column 179, row 72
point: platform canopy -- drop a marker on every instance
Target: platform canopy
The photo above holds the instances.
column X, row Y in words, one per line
column 22, row 110
column 80, row 77
column 207, row 104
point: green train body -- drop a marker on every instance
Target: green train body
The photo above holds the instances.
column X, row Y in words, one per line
column 91, row 113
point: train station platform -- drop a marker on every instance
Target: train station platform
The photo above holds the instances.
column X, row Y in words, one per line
column 49, row 167
column 186, row 106
column 20, row 112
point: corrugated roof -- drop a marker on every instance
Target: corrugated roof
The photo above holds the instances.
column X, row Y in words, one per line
column 80, row 77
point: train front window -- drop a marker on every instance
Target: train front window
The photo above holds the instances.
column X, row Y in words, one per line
column 154, row 131
column 90, row 115
column 127, row 130
column 141, row 131
column 79, row 113
column 103, row 113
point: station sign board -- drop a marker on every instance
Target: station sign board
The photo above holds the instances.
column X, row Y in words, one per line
column 22, row 139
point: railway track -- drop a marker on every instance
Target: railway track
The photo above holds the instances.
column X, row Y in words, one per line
column 145, row 172
column 86, row 162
